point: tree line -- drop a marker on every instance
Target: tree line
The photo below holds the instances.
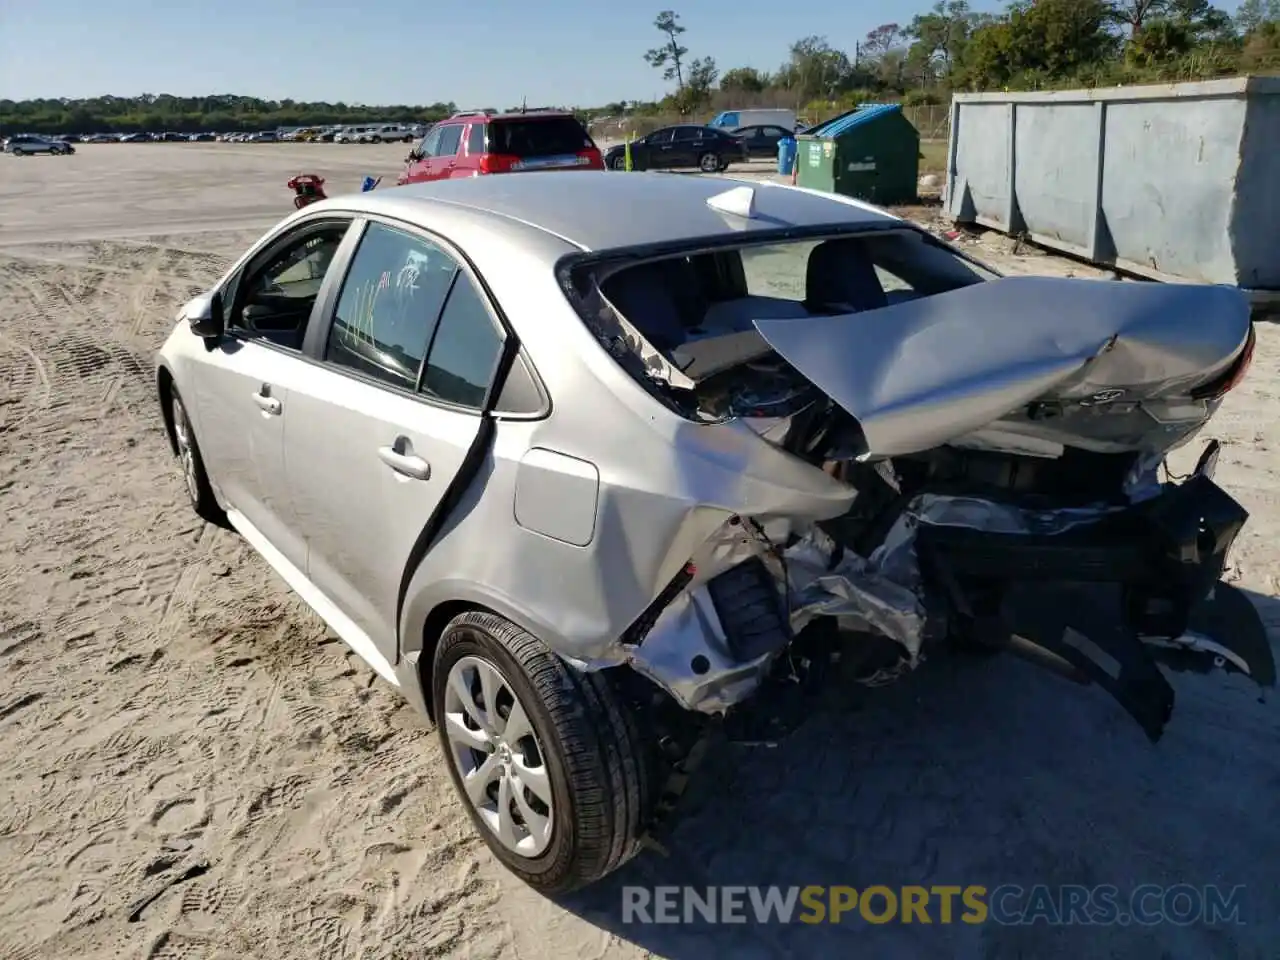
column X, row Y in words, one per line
column 1032, row 44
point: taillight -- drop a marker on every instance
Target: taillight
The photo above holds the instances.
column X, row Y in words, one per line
column 1220, row 386
column 497, row 163
column 591, row 157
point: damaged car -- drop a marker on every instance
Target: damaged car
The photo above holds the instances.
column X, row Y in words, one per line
column 591, row 467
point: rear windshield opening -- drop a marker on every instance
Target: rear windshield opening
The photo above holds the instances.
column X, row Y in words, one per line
column 543, row 137
column 673, row 301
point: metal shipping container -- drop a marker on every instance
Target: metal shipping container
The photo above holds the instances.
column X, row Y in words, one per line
column 1172, row 182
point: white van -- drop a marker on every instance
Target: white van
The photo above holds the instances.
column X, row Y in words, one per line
column 734, row 119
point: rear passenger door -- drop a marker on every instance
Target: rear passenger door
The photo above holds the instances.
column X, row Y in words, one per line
column 387, row 419
column 687, row 147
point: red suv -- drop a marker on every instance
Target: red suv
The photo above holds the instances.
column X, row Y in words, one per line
column 467, row 145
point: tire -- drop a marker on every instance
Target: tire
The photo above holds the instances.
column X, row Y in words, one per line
column 599, row 772
column 618, row 163
column 709, row 163
column 375, row 139
column 195, row 478
column 18, row 152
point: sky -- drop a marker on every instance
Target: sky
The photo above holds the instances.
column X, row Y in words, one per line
column 478, row 53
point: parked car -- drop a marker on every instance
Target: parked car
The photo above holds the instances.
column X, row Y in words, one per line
column 136, row 138
column 467, row 145
column 762, row 141
column 264, row 136
column 201, row 138
column 350, row 134
column 713, row 442
column 386, row 133
column 679, row 147
column 26, row 144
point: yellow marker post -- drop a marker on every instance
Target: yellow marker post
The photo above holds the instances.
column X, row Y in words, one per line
column 626, row 153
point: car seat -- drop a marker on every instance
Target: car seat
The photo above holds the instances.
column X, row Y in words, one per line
column 661, row 299
column 840, row 278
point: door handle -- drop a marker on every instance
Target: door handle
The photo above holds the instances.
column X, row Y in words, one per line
column 266, row 402
column 407, row 464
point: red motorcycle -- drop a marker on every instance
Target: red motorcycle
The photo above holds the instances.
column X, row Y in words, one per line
column 309, row 187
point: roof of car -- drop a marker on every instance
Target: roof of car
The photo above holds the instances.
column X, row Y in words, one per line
column 605, row 211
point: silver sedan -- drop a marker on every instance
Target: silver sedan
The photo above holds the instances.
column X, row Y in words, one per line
column 595, row 468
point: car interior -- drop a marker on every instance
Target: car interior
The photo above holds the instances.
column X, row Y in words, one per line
column 698, row 311
column 277, row 300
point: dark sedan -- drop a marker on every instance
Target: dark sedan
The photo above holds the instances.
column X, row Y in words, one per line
column 762, row 140
column 680, row 147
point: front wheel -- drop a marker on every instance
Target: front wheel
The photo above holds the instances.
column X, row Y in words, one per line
column 199, row 490
column 549, row 760
column 375, row 139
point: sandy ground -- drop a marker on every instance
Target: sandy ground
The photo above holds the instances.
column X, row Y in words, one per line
column 191, row 767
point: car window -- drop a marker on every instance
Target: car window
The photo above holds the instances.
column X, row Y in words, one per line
column 776, row 132
column 275, row 298
column 465, row 350
column 899, row 263
column 389, row 306
column 660, row 136
column 542, row 137
column 475, row 140
column 430, row 143
column 686, row 134
column 450, row 138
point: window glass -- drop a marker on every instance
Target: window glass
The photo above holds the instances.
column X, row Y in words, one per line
column 540, row 137
column 430, row 144
column 465, row 350
column 475, row 140
column 688, row 133
column 450, row 137
column 276, row 297
column 660, row 136
column 389, row 305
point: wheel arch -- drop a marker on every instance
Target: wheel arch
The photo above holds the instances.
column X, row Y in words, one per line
column 164, row 389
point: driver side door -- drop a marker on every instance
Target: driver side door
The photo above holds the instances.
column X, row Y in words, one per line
column 418, row 169
column 243, row 382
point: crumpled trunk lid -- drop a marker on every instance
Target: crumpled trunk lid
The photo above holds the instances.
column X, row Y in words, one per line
column 928, row 371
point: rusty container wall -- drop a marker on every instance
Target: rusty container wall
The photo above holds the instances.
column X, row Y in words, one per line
column 1172, row 182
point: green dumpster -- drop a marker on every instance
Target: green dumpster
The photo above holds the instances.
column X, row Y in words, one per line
column 872, row 153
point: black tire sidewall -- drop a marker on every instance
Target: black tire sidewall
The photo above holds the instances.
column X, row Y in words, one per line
column 472, row 640
column 206, row 504
column 714, row 166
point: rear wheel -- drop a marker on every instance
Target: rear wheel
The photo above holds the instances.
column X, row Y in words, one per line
column 709, row 163
column 375, row 139
column 618, row 163
column 19, row 152
column 549, row 761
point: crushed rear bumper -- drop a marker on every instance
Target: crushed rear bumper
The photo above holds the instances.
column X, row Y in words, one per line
column 1106, row 601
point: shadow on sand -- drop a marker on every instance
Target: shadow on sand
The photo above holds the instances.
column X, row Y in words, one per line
column 985, row 772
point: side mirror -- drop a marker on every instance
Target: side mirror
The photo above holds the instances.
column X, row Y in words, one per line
column 413, row 157
column 204, row 315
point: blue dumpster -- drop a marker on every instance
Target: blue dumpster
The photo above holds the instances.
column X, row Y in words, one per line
column 786, row 155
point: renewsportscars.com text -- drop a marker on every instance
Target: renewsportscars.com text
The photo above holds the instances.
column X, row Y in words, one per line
column 1008, row 904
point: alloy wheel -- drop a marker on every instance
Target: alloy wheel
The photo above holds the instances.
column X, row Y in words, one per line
column 186, row 450
column 498, row 756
